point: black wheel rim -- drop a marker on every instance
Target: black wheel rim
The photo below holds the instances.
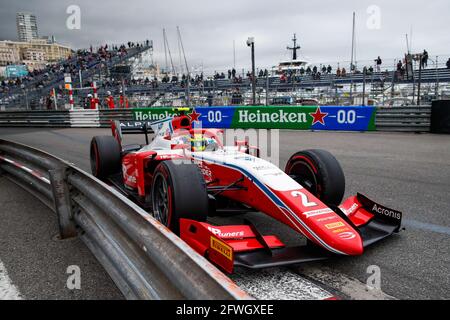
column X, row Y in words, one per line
column 160, row 200
column 304, row 174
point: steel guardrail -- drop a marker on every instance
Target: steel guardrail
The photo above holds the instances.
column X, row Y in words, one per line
column 403, row 119
column 144, row 258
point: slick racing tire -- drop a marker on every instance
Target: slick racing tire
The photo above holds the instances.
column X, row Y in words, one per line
column 105, row 156
column 178, row 191
column 320, row 173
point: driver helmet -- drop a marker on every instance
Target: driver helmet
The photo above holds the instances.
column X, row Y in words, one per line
column 201, row 143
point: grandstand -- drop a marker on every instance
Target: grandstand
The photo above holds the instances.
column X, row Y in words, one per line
column 382, row 88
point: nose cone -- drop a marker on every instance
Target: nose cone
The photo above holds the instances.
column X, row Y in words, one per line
column 348, row 242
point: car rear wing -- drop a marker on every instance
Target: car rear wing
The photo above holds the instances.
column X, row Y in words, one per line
column 119, row 128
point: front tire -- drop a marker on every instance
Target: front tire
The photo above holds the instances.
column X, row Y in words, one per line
column 320, row 173
column 178, row 191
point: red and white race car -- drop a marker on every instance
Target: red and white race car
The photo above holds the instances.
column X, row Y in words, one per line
column 185, row 175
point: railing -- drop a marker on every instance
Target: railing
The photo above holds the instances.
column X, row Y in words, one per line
column 143, row 257
column 405, row 119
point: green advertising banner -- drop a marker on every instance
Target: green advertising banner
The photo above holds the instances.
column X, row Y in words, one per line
column 345, row 118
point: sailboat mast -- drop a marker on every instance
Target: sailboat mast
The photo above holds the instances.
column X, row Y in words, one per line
column 188, row 100
column 352, row 58
column 165, row 49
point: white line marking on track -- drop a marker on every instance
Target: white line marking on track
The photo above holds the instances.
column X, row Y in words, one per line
column 8, row 291
column 340, row 282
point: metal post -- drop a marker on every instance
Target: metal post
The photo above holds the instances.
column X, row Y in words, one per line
column 420, row 80
column 234, row 55
column 26, row 99
column 55, row 99
column 253, row 74
column 436, row 93
column 393, row 80
column 124, row 98
column 364, row 88
column 63, row 205
column 267, row 90
column 81, row 79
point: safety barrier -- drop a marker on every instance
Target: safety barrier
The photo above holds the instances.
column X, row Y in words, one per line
column 143, row 257
column 35, row 119
column 77, row 118
column 404, row 119
column 407, row 119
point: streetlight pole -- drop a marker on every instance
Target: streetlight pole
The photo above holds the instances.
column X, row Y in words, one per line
column 251, row 43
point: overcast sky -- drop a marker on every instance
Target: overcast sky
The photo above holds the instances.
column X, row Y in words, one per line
column 209, row 27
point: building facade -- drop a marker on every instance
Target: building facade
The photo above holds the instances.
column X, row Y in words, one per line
column 35, row 53
column 26, row 26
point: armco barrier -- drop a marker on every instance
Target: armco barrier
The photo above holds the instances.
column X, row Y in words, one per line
column 409, row 119
column 144, row 258
column 404, row 119
column 35, row 119
column 84, row 118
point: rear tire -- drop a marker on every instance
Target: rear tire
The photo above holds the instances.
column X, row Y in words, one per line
column 178, row 191
column 320, row 173
column 105, row 156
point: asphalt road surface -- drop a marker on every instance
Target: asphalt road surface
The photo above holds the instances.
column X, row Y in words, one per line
column 34, row 264
column 408, row 172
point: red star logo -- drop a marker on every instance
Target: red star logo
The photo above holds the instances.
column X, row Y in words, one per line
column 194, row 115
column 318, row 116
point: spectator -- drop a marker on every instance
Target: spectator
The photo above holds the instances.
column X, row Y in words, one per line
column 233, row 73
column 329, row 69
column 399, row 66
column 448, row 63
column 229, row 74
column 378, row 62
column 123, row 101
column 93, row 102
column 344, row 72
column 400, row 69
column 109, row 100
column 324, row 69
column 424, row 60
column 338, row 72
column 365, row 70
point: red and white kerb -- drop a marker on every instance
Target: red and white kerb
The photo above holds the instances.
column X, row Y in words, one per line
column 34, row 173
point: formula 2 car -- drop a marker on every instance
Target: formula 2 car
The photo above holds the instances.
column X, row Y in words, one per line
column 186, row 174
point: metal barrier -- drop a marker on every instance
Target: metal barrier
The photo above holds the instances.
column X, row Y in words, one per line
column 404, row 119
column 143, row 257
column 35, row 119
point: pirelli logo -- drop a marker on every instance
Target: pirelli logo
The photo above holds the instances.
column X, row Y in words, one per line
column 335, row 225
column 222, row 248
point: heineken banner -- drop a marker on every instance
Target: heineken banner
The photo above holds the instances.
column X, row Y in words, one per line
column 273, row 117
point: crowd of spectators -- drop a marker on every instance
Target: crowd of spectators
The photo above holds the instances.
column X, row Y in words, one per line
column 79, row 60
